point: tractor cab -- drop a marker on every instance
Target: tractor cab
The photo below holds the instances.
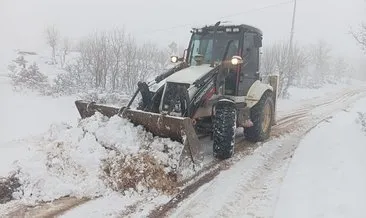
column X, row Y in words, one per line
column 211, row 45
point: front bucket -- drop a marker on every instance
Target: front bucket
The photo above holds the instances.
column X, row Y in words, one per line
column 88, row 109
column 177, row 128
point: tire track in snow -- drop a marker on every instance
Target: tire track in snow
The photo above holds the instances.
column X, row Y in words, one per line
column 276, row 161
column 47, row 209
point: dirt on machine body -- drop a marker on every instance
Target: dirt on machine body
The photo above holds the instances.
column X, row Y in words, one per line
column 214, row 88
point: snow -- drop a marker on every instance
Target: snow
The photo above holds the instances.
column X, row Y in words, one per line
column 222, row 196
column 69, row 161
column 325, row 179
column 107, row 206
column 23, row 115
column 115, row 204
column 298, row 96
column 66, row 161
column 55, row 155
column 41, row 58
column 327, row 174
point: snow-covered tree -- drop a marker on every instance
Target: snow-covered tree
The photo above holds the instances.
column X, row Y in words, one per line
column 360, row 36
column 29, row 77
column 20, row 60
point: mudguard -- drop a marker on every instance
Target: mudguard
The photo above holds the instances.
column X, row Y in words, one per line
column 256, row 92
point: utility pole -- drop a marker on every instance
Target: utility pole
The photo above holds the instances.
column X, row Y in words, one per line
column 292, row 26
column 290, row 59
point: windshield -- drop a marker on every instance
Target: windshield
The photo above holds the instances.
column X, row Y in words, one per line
column 202, row 44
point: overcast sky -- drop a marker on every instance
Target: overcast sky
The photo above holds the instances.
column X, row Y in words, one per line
column 22, row 22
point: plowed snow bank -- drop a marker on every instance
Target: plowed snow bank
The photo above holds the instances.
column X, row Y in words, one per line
column 94, row 158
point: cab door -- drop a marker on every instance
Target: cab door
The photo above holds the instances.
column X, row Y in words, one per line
column 250, row 68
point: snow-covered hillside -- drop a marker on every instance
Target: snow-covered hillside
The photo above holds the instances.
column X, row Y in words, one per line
column 42, row 59
column 26, row 114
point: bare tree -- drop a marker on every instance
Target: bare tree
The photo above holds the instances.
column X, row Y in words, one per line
column 288, row 65
column 320, row 61
column 113, row 61
column 96, row 58
column 340, row 68
column 52, row 37
column 64, row 51
column 360, row 36
column 268, row 61
column 173, row 48
column 117, row 41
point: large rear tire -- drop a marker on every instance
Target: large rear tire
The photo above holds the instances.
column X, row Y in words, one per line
column 224, row 126
column 262, row 115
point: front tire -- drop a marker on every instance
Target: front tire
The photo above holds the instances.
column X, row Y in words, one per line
column 262, row 116
column 224, row 126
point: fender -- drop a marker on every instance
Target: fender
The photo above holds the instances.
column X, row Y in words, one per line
column 255, row 92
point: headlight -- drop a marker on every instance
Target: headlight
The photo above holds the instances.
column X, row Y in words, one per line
column 174, row 59
column 235, row 60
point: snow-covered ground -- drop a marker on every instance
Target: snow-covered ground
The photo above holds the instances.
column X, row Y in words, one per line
column 27, row 114
column 40, row 138
column 299, row 96
column 324, row 177
column 327, row 175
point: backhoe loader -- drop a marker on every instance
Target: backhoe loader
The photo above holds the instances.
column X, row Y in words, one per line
column 213, row 89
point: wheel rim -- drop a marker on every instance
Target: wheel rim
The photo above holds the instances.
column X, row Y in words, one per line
column 267, row 116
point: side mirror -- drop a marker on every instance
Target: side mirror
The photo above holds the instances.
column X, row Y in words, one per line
column 258, row 41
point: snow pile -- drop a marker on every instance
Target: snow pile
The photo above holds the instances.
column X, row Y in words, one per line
column 94, row 158
column 103, row 97
column 29, row 77
column 65, row 162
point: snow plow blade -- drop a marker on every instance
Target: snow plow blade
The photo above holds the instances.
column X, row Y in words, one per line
column 177, row 128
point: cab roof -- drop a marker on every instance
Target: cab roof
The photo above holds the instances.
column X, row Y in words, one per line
column 242, row 27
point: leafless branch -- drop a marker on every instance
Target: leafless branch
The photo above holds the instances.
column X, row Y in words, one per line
column 52, row 37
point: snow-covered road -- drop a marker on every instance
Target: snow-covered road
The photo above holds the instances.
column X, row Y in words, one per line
column 326, row 176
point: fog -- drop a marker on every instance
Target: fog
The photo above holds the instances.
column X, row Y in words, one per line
column 162, row 21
